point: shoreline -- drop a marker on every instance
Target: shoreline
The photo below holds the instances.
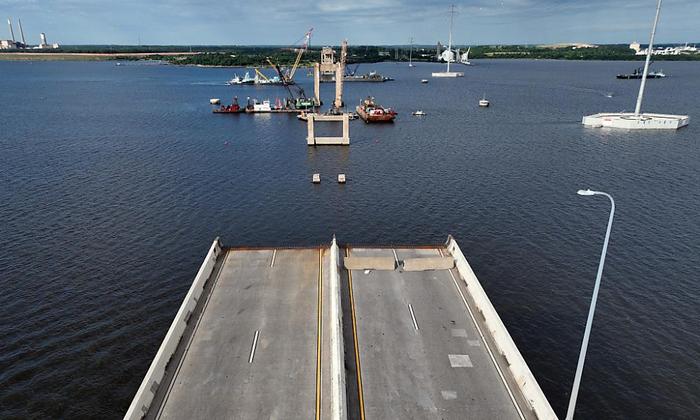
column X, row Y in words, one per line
column 155, row 56
column 82, row 56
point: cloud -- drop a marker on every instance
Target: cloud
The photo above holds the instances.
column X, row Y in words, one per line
column 368, row 22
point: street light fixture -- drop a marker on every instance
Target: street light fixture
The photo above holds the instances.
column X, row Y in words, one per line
column 591, row 311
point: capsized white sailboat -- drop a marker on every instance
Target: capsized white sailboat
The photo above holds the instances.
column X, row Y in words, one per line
column 449, row 73
column 639, row 120
column 464, row 59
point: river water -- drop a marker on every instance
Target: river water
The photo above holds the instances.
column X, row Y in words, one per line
column 114, row 180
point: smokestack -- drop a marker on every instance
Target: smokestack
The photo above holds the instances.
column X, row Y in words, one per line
column 22, row 32
column 12, row 33
column 43, row 38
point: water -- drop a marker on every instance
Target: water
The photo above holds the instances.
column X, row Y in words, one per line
column 115, row 180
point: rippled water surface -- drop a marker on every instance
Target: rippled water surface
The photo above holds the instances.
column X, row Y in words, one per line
column 114, row 180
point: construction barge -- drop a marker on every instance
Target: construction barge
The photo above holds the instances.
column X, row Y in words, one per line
column 338, row 332
column 254, row 106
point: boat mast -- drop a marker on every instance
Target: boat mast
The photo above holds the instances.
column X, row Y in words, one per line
column 638, row 108
column 449, row 43
column 410, row 53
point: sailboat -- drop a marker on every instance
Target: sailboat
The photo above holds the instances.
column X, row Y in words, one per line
column 449, row 73
column 639, row 120
column 410, row 55
column 465, row 58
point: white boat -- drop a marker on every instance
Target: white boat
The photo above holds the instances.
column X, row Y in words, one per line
column 637, row 120
column 215, row 101
column 419, row 113
column 449, row 56
column 484, row 103
column 410, row 55
column 424, row 80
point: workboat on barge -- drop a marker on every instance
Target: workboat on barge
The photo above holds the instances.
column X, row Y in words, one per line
column 234, row 108
column 370, row 111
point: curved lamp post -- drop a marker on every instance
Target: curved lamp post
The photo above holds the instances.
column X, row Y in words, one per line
column 591, row 311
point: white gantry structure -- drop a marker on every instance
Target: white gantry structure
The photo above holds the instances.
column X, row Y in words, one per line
column 637, row 120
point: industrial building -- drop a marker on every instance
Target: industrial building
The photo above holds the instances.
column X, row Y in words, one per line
column 13, row 44
column 685, row 49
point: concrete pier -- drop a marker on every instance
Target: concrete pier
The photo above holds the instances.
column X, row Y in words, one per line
column 313, row 140
column 295, row 333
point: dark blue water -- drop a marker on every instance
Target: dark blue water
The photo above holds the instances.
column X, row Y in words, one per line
column 115, row 180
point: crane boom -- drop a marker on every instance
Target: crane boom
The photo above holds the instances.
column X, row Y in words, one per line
column 261, row 75
column 303, row 49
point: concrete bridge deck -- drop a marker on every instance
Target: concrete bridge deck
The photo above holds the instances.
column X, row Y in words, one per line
column 420, row 351
column 291, row 333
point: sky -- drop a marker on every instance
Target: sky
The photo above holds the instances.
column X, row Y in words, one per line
column 369, row 22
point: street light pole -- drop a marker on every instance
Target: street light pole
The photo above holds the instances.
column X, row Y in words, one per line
column 591, row 311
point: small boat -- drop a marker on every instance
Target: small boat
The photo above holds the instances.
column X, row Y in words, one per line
column 234, row 108
column 215, row 101
column 370, row 111
column 639, row 73
column 424, row 80
column 483, row 102
column 418, row 113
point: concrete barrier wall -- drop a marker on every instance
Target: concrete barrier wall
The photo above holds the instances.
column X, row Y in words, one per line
column 144, row 396
column 428, row 263
column 338, row 397
column 517, row 366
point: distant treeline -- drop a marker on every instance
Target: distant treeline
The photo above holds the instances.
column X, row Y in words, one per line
column 257, row 55
column 250, row 56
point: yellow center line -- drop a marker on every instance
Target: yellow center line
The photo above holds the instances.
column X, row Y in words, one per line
column 360, row 395
column 318, row 334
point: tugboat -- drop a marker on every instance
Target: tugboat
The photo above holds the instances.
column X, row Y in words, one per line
column 370, row 111
column 234, row 108
column 256, row 106
column 639, row 73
